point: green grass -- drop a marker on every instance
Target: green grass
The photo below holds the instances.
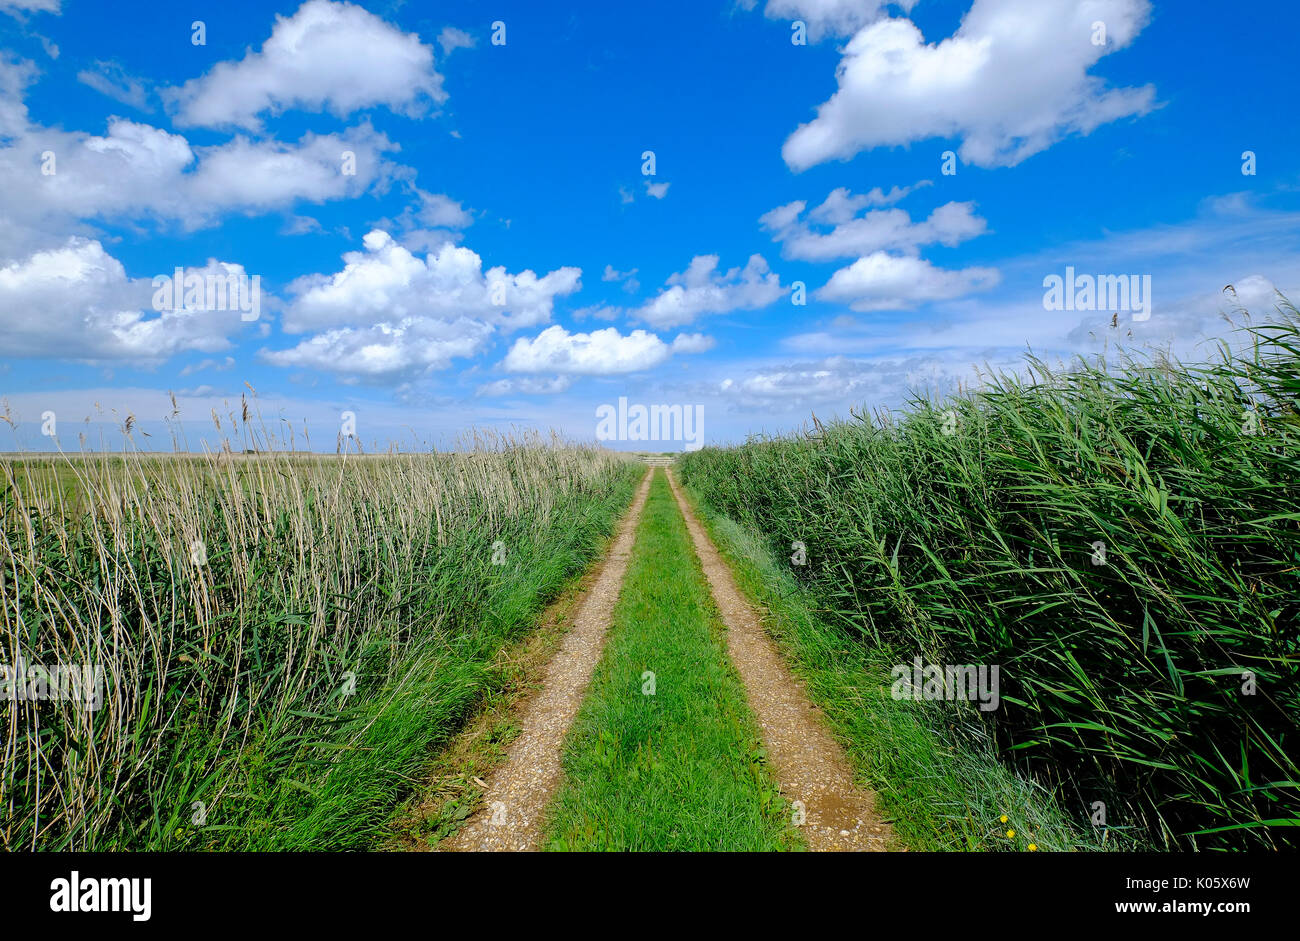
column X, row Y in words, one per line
column 684, row 768
column 963, row 531
column 941, row 786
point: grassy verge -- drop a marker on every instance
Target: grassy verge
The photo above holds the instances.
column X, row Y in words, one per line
column 354, row 781
column 677, row 765
column 454, row 782
column 942, row 787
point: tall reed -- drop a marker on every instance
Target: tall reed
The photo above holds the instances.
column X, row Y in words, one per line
column 283, row 636
column 1123, row 540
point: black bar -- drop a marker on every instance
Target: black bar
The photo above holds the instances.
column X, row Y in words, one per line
column 1027, row 892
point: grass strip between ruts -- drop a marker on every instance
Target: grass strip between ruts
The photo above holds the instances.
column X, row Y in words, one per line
column 665, row 754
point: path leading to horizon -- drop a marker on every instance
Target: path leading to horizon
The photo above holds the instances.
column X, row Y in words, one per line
column 728, row 752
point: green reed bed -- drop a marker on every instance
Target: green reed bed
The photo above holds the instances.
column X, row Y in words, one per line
column 1123, row 540
column 284, row 639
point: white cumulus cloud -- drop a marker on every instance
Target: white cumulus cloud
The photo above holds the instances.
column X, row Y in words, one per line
column 598, row 353
column 77, row 302
column 139, row 172
column 882, row 281
column 1010, row 82
column 701, row 289
column 390, row 316
column 403, row 348
column 386, row 281
column 451, row 39
column 327, row 56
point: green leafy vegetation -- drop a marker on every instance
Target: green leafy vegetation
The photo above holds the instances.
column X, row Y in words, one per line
column 285, row 639
column 1123, row 542
column 937, row 778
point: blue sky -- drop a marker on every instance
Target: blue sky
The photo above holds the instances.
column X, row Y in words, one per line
column 500, row 259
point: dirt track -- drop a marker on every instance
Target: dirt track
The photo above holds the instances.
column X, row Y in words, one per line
column 520, row 789
column 808, row 762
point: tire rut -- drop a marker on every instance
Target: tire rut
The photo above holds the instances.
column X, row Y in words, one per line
column 807, row 761
column 520, row 789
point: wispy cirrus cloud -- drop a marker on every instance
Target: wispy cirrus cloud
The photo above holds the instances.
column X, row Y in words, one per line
column 826, row 18
column 109, row 78
column 834, row 229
